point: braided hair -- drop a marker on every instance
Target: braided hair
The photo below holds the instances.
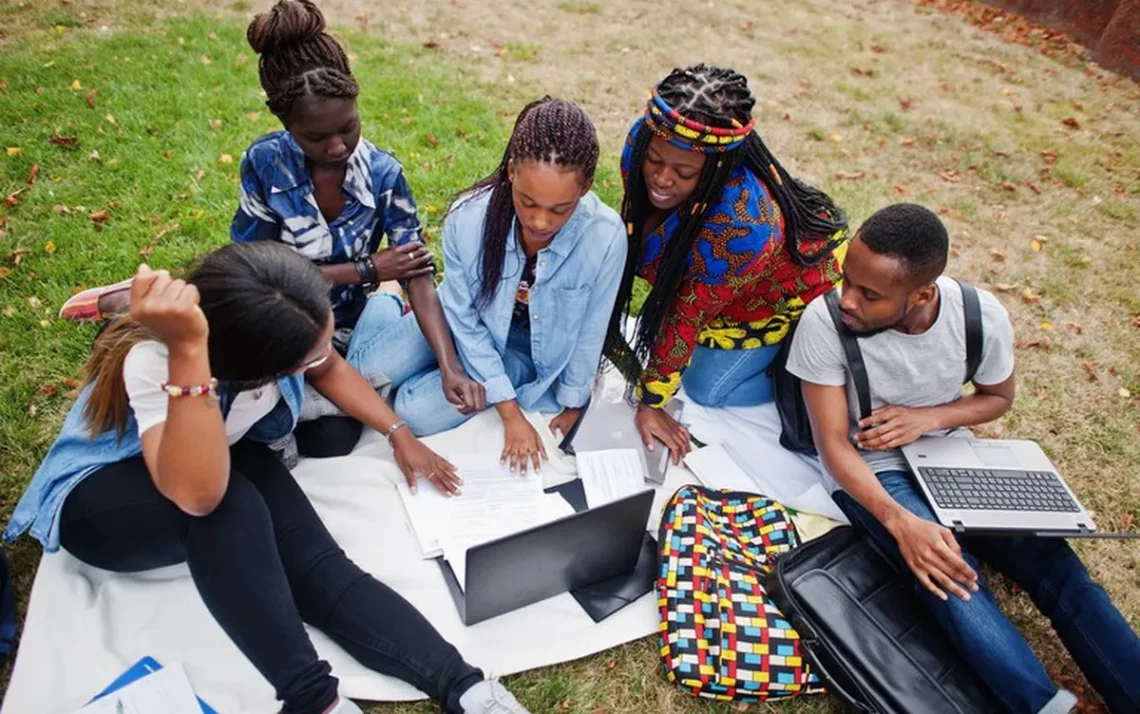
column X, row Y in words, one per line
column 550, row 131
column 298, row 58
column 813, row 224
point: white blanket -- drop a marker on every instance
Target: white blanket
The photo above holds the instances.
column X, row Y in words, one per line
column 86, row 626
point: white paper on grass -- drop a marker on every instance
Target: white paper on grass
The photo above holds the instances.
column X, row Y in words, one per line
column 166, row 691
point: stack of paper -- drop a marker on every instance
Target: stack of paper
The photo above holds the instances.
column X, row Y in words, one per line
column 166, row 691
column 610, row 474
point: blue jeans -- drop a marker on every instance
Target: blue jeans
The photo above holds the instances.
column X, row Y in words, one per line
column 387, row 341
column 730, row 378
column 1092, row 629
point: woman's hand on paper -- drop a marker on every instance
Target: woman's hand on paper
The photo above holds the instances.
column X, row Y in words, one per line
column 522, row 445
column 657, row 424
column 416, row 460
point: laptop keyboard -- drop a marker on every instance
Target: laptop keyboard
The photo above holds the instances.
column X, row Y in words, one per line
column 998, row 490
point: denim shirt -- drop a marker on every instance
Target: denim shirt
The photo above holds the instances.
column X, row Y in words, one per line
column 576, row 283
column 76, row 454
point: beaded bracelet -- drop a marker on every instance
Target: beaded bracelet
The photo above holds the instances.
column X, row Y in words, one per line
column 195, row 390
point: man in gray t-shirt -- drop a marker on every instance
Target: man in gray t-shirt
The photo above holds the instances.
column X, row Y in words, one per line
column 911, row 329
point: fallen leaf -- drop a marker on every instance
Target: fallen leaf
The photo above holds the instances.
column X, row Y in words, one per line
column 15, row 151
column 951, row 176
column 49, row 390
column 94, row 156
column 1071, row 122
column 1047, row 326
column 1090, row 369
column 861, row 72
column 611, row 665
column 13, row 198
column 4, row 272
column 905, row 103
column 563, row 707
column 9, row 311
column 64, row 140
column 215, row 123
column 1004, row 287
column 431, row 45
column 1124, row 392
column 997, row 254
column 900, row 189
column 433, row 140
column 1075, row 327
column 1008, row 185
column 746, row 26
column 1029, row 297
column 850, row 175
column 1037, row 244
column 906, row 141
column 110, row 119
column 1038, row 343
column 17, row 256
column 76, row 85
column 32, row 411
column 49, row 247
column 836, row 137
column 253, row 116
column 33, row 302
column 1136, row 321
column 225, row 159
column 60, row 208
column 100, row 216
column 1050, row 157
column 71, row 383
column 33, row 174
column 1126, row 521
column 206, row 60
column 1033, row 187
column 90, row 98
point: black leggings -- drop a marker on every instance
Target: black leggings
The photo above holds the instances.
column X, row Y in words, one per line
column 328, row 436
column 264, row 563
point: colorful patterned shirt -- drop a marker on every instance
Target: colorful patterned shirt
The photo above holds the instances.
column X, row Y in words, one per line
column 741, row 288
column 277, row 203
column 521, row 315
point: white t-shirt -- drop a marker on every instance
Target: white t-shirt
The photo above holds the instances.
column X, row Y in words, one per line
column 923, row 370
column 147, row 366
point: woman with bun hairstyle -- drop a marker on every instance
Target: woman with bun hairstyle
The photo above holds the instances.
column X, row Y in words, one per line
column 331, row 195
column 163, row 459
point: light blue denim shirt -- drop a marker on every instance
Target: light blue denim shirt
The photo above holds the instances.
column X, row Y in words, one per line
column 576, row 283
column 76, row 454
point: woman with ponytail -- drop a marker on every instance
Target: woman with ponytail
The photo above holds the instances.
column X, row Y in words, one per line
column 732, row 245
column 163, row 459
column 532, row 265
column 331, row 195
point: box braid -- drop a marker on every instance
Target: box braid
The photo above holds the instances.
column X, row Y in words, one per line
column 549, row 131
column 298, row 58
column 717, row 97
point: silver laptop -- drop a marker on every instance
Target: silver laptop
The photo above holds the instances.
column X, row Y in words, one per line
column 609, row 425
column 996, row 485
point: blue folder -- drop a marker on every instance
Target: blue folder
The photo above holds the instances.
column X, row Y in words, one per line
column 140, row 669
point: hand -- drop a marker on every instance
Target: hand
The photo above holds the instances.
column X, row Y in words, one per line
column 564, row 422
column 168, row 307
column 468, row 396
column 402, row 262
column 934, row 556
column 894, row 427
column 655, row 423
column 417, row 460
column 522, row 445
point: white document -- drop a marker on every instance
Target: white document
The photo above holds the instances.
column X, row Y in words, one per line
column 610, row 474
column 425, row 509
column 716, row 469
column 166, row 691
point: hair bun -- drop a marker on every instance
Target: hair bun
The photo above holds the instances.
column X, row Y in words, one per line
column 288, row 23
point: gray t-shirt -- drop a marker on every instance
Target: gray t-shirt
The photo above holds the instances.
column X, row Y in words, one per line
column 923, row 370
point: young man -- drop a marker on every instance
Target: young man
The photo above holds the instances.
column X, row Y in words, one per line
column 912, row 335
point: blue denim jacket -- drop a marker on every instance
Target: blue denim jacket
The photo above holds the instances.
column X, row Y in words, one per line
column 576, row 283
column 75, row 455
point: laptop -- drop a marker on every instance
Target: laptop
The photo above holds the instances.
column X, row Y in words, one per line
column 577, row 551
column 997, row 485
column 609, row 425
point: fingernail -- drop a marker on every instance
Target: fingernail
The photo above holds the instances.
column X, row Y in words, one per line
column 412, row 488
column 966, row 597
column 650, row 447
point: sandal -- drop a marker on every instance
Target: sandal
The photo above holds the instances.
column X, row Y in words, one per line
column 84, row 305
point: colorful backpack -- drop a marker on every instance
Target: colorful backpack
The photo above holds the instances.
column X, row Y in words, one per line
column 721, row 636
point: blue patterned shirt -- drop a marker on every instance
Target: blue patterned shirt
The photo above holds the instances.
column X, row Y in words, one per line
column 277, row 203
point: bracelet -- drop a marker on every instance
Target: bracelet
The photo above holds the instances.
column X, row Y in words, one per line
column 366, row 270
column 194, row 390
column 393, row 429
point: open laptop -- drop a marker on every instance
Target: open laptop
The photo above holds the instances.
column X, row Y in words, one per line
column 996, row 485
column 577, row 551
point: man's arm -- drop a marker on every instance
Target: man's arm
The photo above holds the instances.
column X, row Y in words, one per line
column 929, row 549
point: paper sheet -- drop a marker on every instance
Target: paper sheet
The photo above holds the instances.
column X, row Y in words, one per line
column 166, row 691
column 423, row 509
column 610, row 474
column 716, row 469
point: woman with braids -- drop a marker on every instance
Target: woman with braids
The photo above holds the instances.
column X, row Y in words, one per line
column 329, row 194
column 732, row 245
column 163, row 460
column 532, row 263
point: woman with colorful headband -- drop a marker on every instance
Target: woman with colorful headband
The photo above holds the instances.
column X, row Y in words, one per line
column 733, row 246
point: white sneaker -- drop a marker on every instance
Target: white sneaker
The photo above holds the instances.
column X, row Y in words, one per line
column 490, row 697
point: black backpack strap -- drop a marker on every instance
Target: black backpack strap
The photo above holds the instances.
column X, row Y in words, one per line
column 972, row 308
column 854, row 355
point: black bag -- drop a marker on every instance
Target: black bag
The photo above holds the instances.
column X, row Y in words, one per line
column 795, row 433
column 872, row 641
column 7, row 610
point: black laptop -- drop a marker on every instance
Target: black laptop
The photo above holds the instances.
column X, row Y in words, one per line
column 578, row 552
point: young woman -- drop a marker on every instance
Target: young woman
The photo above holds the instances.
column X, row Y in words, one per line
column 323, row 190
column 532, row 261
column 732, row 245
column 162, row 460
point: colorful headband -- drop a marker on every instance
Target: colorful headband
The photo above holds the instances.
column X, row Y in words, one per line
column 668, row 124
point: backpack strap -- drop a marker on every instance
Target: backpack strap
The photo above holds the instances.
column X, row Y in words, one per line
column 854, row 355
column 972, row 309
